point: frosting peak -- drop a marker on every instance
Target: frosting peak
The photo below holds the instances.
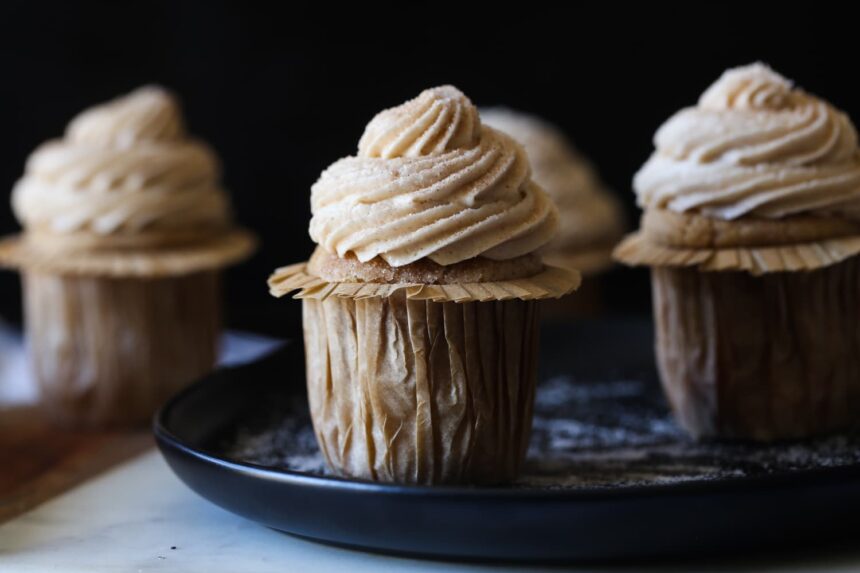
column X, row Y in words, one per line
column 753, row 87
column 149, row 113
column 437, row 121
column 429, row 181
column 754, row 146
column 125, row 169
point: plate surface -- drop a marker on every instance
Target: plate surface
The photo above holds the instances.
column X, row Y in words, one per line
column 609, row 474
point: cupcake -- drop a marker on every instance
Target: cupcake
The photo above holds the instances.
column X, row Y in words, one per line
column 126, row 228
column 751, row 227
column 591, row 221
column 420, row 302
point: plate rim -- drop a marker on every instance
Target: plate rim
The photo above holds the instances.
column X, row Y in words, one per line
column 165, row 437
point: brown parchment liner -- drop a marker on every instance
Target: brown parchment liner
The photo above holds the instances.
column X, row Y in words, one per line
column 113, row 332
column 636, row 249
column 553, row 282
column 421, row 392
column 220, row 251
column 422, row 384
column 756, row 342
column 760, row 357
column 109, row 351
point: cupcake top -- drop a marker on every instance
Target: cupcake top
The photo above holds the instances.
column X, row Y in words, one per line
column 589, row 215
column 124, row 169
column 754, row 146
column 430, row 181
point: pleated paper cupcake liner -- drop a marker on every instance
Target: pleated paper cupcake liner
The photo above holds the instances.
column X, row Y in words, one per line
column 18, row 253
column 553, row 282
column 762, row 358
column 422, row 383
column 636, row 250
column 109, row 352
column 420, row 392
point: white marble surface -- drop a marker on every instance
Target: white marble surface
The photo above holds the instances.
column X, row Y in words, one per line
column 129, row 519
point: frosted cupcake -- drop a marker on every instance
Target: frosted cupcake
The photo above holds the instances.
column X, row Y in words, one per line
column 591, row 221
column 752, row 227
column 126, row 228
column 420, row 302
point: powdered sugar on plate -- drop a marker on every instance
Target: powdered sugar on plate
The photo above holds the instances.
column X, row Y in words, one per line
column 586, row 434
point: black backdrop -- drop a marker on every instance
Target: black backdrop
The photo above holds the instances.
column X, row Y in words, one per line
column 280, row 98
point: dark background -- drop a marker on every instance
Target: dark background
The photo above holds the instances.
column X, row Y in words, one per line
column 280, row 97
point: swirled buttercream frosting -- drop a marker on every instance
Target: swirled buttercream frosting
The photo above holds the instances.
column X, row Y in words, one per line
column 754, row 146
column 124, row 168
column 588, row 213
column 429, row 181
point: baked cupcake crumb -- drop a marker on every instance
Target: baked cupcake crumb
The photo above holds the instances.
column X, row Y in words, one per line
column 477, row 270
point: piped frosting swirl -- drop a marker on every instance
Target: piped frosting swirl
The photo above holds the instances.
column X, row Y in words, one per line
column 430, row 181
column 124, row 168
column 589, row 215
column 754, row 146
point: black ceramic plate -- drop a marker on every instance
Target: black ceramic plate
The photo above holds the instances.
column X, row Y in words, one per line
column 609, row 475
